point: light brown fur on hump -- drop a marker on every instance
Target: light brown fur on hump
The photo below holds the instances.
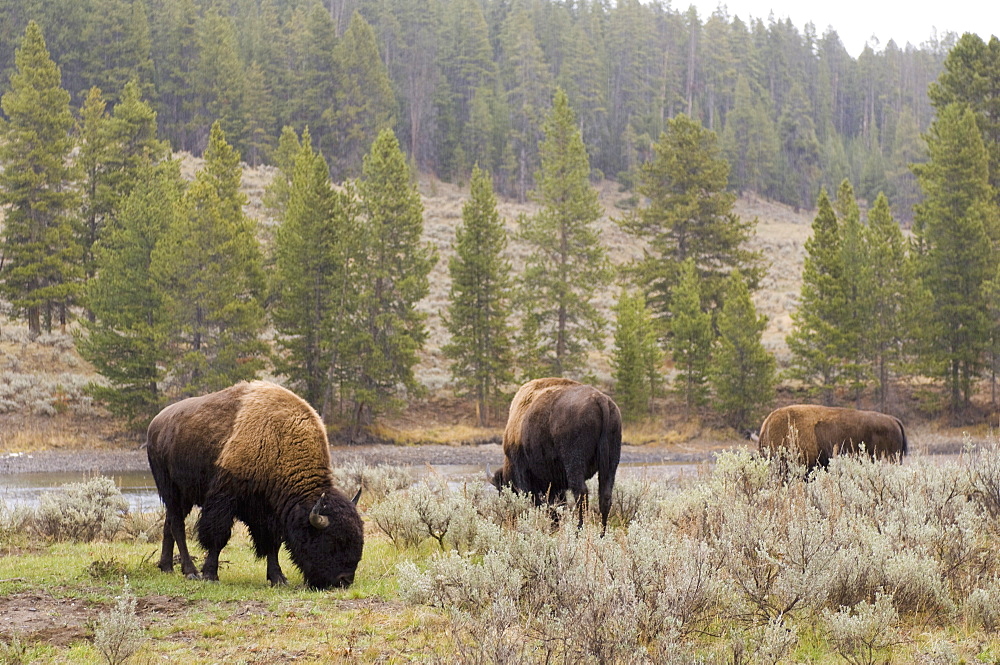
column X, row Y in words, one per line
column 528, row 397
column 274, row 428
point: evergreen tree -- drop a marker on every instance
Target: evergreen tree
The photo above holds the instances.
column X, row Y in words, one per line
column 279, row 190
column 691, row 338
column 126, row 340
column 115, row 152
column 311, row 277
column 210, row 268
column 389, row 331
column 742, row 372
column 689, row 216
column 566, row 266
column 858, row 288
column 892, row 292
column 364, row 105
column 219, row 78
column 750, row 142
column 816, row 340
column 800, row 147
column 955, row 254
column 478, row 309
column 527, row 88
column 971, row 76
column 92, row 159
column 42, row 264
column 636, row 357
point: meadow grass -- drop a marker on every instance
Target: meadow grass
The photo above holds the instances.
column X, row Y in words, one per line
column 746, row 564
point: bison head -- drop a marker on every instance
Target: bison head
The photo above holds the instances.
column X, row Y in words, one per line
column 325, row 539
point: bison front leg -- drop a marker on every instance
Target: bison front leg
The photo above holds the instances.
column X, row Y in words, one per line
column 274, row 574
column 267, row 544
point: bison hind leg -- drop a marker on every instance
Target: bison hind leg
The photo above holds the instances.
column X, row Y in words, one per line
column 173, row 532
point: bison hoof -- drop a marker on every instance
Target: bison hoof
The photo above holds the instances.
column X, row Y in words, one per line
column 281, row 581
column 193, row 576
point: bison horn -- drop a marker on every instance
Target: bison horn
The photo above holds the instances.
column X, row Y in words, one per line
column 356, row 497
column 318, row 520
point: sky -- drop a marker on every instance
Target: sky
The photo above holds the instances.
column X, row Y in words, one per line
column 855, row 21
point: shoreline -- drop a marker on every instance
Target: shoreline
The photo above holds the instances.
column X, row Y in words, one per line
column 131, row 460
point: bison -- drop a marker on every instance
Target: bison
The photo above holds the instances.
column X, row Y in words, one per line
column 560, row 433
column 258, row 453
column 824, row 431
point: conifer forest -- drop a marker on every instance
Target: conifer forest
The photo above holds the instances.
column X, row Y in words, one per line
column 171, row 289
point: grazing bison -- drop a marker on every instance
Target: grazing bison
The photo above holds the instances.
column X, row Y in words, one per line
column 258, row 453
column 825, row 431
column 560, row 433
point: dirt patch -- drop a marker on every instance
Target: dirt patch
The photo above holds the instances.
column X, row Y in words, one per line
column 38, row 617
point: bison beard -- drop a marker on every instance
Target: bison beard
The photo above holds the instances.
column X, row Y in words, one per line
column 820, row 432
column 559, row 434
column 257, row 453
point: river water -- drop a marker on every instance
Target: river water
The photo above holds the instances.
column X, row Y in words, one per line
column 138, row 488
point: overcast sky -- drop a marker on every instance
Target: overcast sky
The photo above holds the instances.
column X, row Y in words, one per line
column 855, row 21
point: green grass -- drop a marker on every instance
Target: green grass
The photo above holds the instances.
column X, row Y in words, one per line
column 240, row 619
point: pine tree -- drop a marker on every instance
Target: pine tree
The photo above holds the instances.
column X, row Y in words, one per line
column 364, row 105
column 566, row 266
column 816, row 341
column 526, row 83
column 219, row 78
column 42, row 268
column 970, row 76
column 636, row 357
column 479, row 301
column 311, row 277
column 126, row 340
column 689, row 216
column 115, row 153
column 93, row 156
column 389, row 331
column 210, row 268
column 892, row 292
column 691, row 338
column 955, row 254
column 279, row 190
column 742, row 372
column 858, row 287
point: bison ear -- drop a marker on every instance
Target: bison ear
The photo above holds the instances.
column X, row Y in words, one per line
column 318, row 520
column 356, row 497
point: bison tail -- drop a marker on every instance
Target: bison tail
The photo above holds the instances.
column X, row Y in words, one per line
column 902, row 432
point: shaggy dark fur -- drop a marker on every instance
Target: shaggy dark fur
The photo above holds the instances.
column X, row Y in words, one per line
column 825, row 431
column 560, row 433
column 257, row 453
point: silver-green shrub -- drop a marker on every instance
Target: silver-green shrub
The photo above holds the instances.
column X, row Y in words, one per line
column 982, row 607
column 866, row 633
column 751, row 554
column 375, row 482
column 118, row 634
column 82, row 512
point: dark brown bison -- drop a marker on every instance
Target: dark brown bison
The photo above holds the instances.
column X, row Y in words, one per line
column 257, row 453
column 824, row 431
column 560, row 433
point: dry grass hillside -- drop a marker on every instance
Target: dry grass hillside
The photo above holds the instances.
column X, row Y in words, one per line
column 42, row 381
